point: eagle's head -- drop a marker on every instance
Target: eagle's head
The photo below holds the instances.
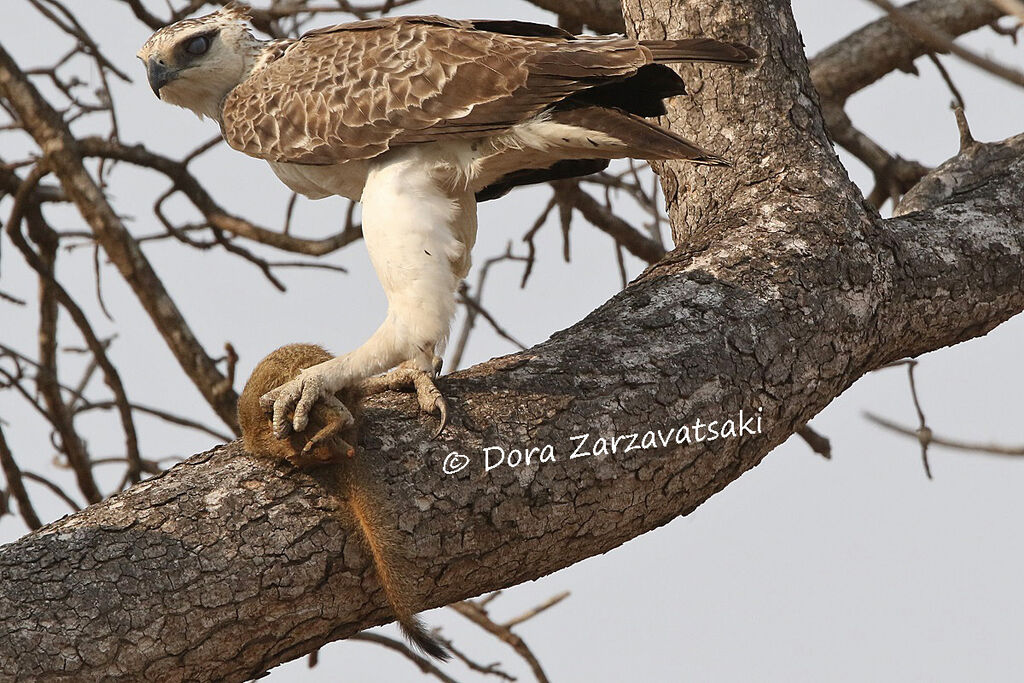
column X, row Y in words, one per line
column 194, row 63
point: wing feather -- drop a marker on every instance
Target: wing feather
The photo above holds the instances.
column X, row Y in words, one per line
column 352, row 91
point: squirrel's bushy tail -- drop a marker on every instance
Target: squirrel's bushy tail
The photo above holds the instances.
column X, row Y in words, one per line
column 379, row 539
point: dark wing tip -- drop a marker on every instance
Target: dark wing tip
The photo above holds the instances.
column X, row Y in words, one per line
column 750, row 53
column 711, row 160
column 526, row 29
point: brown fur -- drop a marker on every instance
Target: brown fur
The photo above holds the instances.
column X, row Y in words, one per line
column 327, row 428
column 327, row 439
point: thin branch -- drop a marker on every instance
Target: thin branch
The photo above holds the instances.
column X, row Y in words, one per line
column 215, row 215
column 58, row 491
column 424, row 664
column 972, row 446
column 163, row 415
column 958, row 98
column 478, row 615
column 636, row 243
column 531, row 256
column 868, row 54
column 71, row 444
column 477, row 308
column 818, row 443
column 543, row 607
column 924, row 432
column 15, row 485
column 51, row 133
column 486, row 669
column 455, row 360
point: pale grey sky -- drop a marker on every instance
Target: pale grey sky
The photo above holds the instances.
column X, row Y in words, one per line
column 802, row 570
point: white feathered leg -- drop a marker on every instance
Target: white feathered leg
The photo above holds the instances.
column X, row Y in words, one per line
column 418, row 238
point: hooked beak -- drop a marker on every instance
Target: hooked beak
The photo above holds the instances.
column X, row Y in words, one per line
column 159, row 75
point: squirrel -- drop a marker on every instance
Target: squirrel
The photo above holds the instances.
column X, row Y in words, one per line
column 327, row 440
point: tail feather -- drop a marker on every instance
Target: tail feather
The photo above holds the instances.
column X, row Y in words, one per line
column 381, row 546
column 643, row 91
column 699, row 50
column 565, row 168
column 640, row 139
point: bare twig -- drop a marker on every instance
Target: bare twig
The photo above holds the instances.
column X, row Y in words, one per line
column 868, row 54
column 216, row 216
column 424, row 664
column 51, row 133
column 163, row 415
column 10, row 298
column 455, row 360
column 569, row 193
column 477, row 308
column 478, row 615
column 528, row 238
column 818, row 443
column 486, row 669
column 966, row 137
column 544, row 606
column 57, row 490
column 957, row 97
column 71, row 444
column 972, row 446
column 924, row 432
column 14, row 484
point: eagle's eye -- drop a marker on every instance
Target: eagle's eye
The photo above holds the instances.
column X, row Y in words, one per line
column 198, row 45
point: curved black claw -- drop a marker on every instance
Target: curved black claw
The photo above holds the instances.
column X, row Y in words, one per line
column 442, row 409
column 407, row 378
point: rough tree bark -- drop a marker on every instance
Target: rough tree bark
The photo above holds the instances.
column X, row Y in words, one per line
column 784, row 289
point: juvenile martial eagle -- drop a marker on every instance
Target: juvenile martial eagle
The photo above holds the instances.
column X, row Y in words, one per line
column 419, row 118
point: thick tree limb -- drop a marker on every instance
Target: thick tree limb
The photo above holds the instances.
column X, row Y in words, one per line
column 229, row 565
column 882, row 47
column 868, row 54
column 784, row 290
column 940, row 41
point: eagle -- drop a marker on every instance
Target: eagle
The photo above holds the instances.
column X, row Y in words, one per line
column 419, row 118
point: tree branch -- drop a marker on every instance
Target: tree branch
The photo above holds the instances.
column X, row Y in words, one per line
column 940, row 41
column 61, row 152
column 601, row 16
column 569, row 193
column 16, row 485
column 217, row 217
column 784, row 290
column 882, row 47
column 868, row 54
column 250, row 538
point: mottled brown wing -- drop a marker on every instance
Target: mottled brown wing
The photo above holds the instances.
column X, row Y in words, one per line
column 352, row 91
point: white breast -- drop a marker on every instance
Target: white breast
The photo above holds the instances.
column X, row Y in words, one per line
column 316, row 182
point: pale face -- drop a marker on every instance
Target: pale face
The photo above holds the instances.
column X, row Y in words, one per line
column 196, row 62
